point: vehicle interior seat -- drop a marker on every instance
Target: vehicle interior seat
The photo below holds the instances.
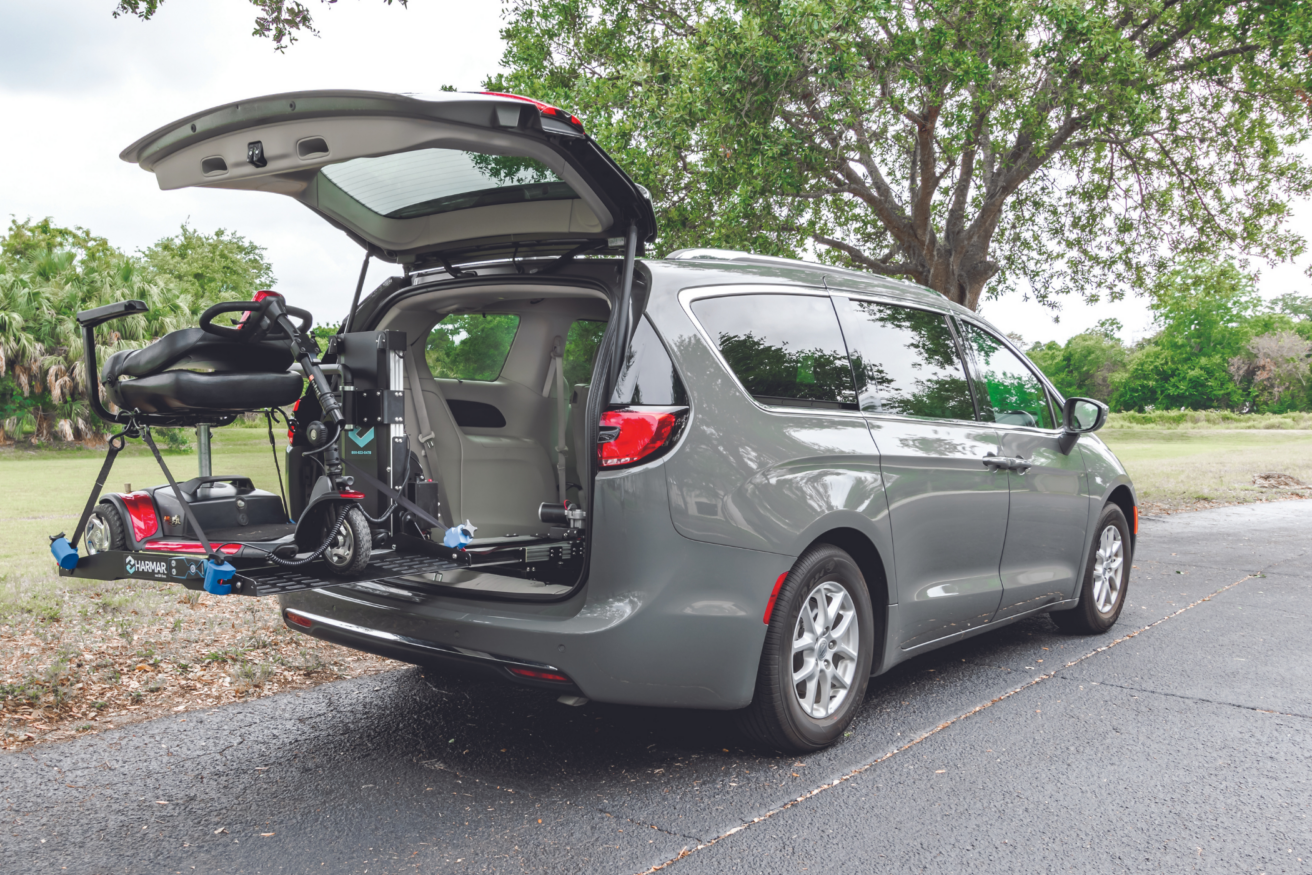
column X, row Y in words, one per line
column 192, row 371
column 494, row 481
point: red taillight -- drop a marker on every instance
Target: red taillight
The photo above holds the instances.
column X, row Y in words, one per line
column 355, row 495
column 641, row 433
column 544, row 108
column 297, row 620
column 538, row 674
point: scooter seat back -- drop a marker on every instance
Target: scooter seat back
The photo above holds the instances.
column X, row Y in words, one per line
column 188, row 392
column 197, row 350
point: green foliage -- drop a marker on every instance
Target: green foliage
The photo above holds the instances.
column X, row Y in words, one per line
column 209, row 268
column 1210, row 419
column 471, row 346
column 48, row 273
column 1205, row 314
column 1084, row 366
column 1072, row 147
column 1218, row 347
column 29, row 240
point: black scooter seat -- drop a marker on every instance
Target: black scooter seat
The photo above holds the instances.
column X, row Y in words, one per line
column 189, row 392
column 193, row 372
column 197, row 350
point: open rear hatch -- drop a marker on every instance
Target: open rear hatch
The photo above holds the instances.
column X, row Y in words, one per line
column 436, row 181
column 444, row 178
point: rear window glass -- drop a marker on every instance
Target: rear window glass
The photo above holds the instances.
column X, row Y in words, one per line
column 648, row 376
column 906, row 361
column 1012, row 393
column 581, row 350
column 425, row 182
column 786, row 350
column 471, row 346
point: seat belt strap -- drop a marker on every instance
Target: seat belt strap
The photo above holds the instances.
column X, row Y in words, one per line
column 556, row 374
column 421, row 411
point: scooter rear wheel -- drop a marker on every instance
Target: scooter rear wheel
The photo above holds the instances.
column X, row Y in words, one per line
column 350, row 548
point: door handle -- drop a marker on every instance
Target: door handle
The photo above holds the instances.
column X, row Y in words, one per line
column 1007, row 463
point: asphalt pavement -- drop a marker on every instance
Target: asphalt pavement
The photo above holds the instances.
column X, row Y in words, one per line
column 1180, row 741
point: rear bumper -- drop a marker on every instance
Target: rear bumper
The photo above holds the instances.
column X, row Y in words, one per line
column 427, row 653
column 662, row 620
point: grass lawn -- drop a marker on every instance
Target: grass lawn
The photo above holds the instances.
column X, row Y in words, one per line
column 79, row 655
column 1180, row 469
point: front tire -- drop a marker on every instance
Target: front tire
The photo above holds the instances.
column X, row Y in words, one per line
column 350, row 548
column 1106, row 578
column 817, row 655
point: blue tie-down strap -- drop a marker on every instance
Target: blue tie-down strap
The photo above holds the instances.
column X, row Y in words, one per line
column 215, row 575
column 64, row 552
column 458, row 536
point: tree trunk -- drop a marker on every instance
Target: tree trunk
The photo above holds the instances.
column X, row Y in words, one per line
column 959, row 279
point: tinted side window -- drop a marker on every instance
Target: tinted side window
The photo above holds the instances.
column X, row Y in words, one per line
column 648, row 376
column 581, row 350
column 1011, row 394
column 906, row 361
column 786, row 350
column 471, row 346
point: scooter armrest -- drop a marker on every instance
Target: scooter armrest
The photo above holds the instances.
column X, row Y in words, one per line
column 109, row 312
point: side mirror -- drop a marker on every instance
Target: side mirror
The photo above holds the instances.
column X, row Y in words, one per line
column 1080, row 416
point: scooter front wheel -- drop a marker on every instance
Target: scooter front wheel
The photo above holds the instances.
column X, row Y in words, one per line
column 105, row 530
column 348, row 553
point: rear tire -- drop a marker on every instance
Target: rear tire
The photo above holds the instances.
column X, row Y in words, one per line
column 1106, row 578
column 817, row 655
column 349, row 551
column 105, row 530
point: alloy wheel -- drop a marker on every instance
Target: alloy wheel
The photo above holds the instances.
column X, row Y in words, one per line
column 826, row 641
column 1108, row 570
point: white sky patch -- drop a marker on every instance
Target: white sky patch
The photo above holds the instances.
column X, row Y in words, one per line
column 77, row 86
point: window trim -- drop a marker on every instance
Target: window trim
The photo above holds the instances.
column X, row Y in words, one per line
column 1051, row 393
column 947, row 318
column 690, row 295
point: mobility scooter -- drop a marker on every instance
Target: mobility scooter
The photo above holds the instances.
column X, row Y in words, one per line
column 220, row 533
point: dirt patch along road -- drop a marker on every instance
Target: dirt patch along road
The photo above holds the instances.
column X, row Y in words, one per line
column 1183, row 746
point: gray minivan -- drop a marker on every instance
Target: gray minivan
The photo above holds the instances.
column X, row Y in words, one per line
column 783, row 478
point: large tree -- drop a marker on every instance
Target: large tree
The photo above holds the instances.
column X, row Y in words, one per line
column 1077, row 146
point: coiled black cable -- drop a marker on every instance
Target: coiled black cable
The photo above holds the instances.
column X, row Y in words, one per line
column 297, row 563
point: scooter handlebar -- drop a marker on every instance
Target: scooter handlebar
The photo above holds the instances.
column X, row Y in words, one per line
column 271, row 307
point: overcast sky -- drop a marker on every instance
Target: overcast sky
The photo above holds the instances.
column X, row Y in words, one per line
column 77, row 86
